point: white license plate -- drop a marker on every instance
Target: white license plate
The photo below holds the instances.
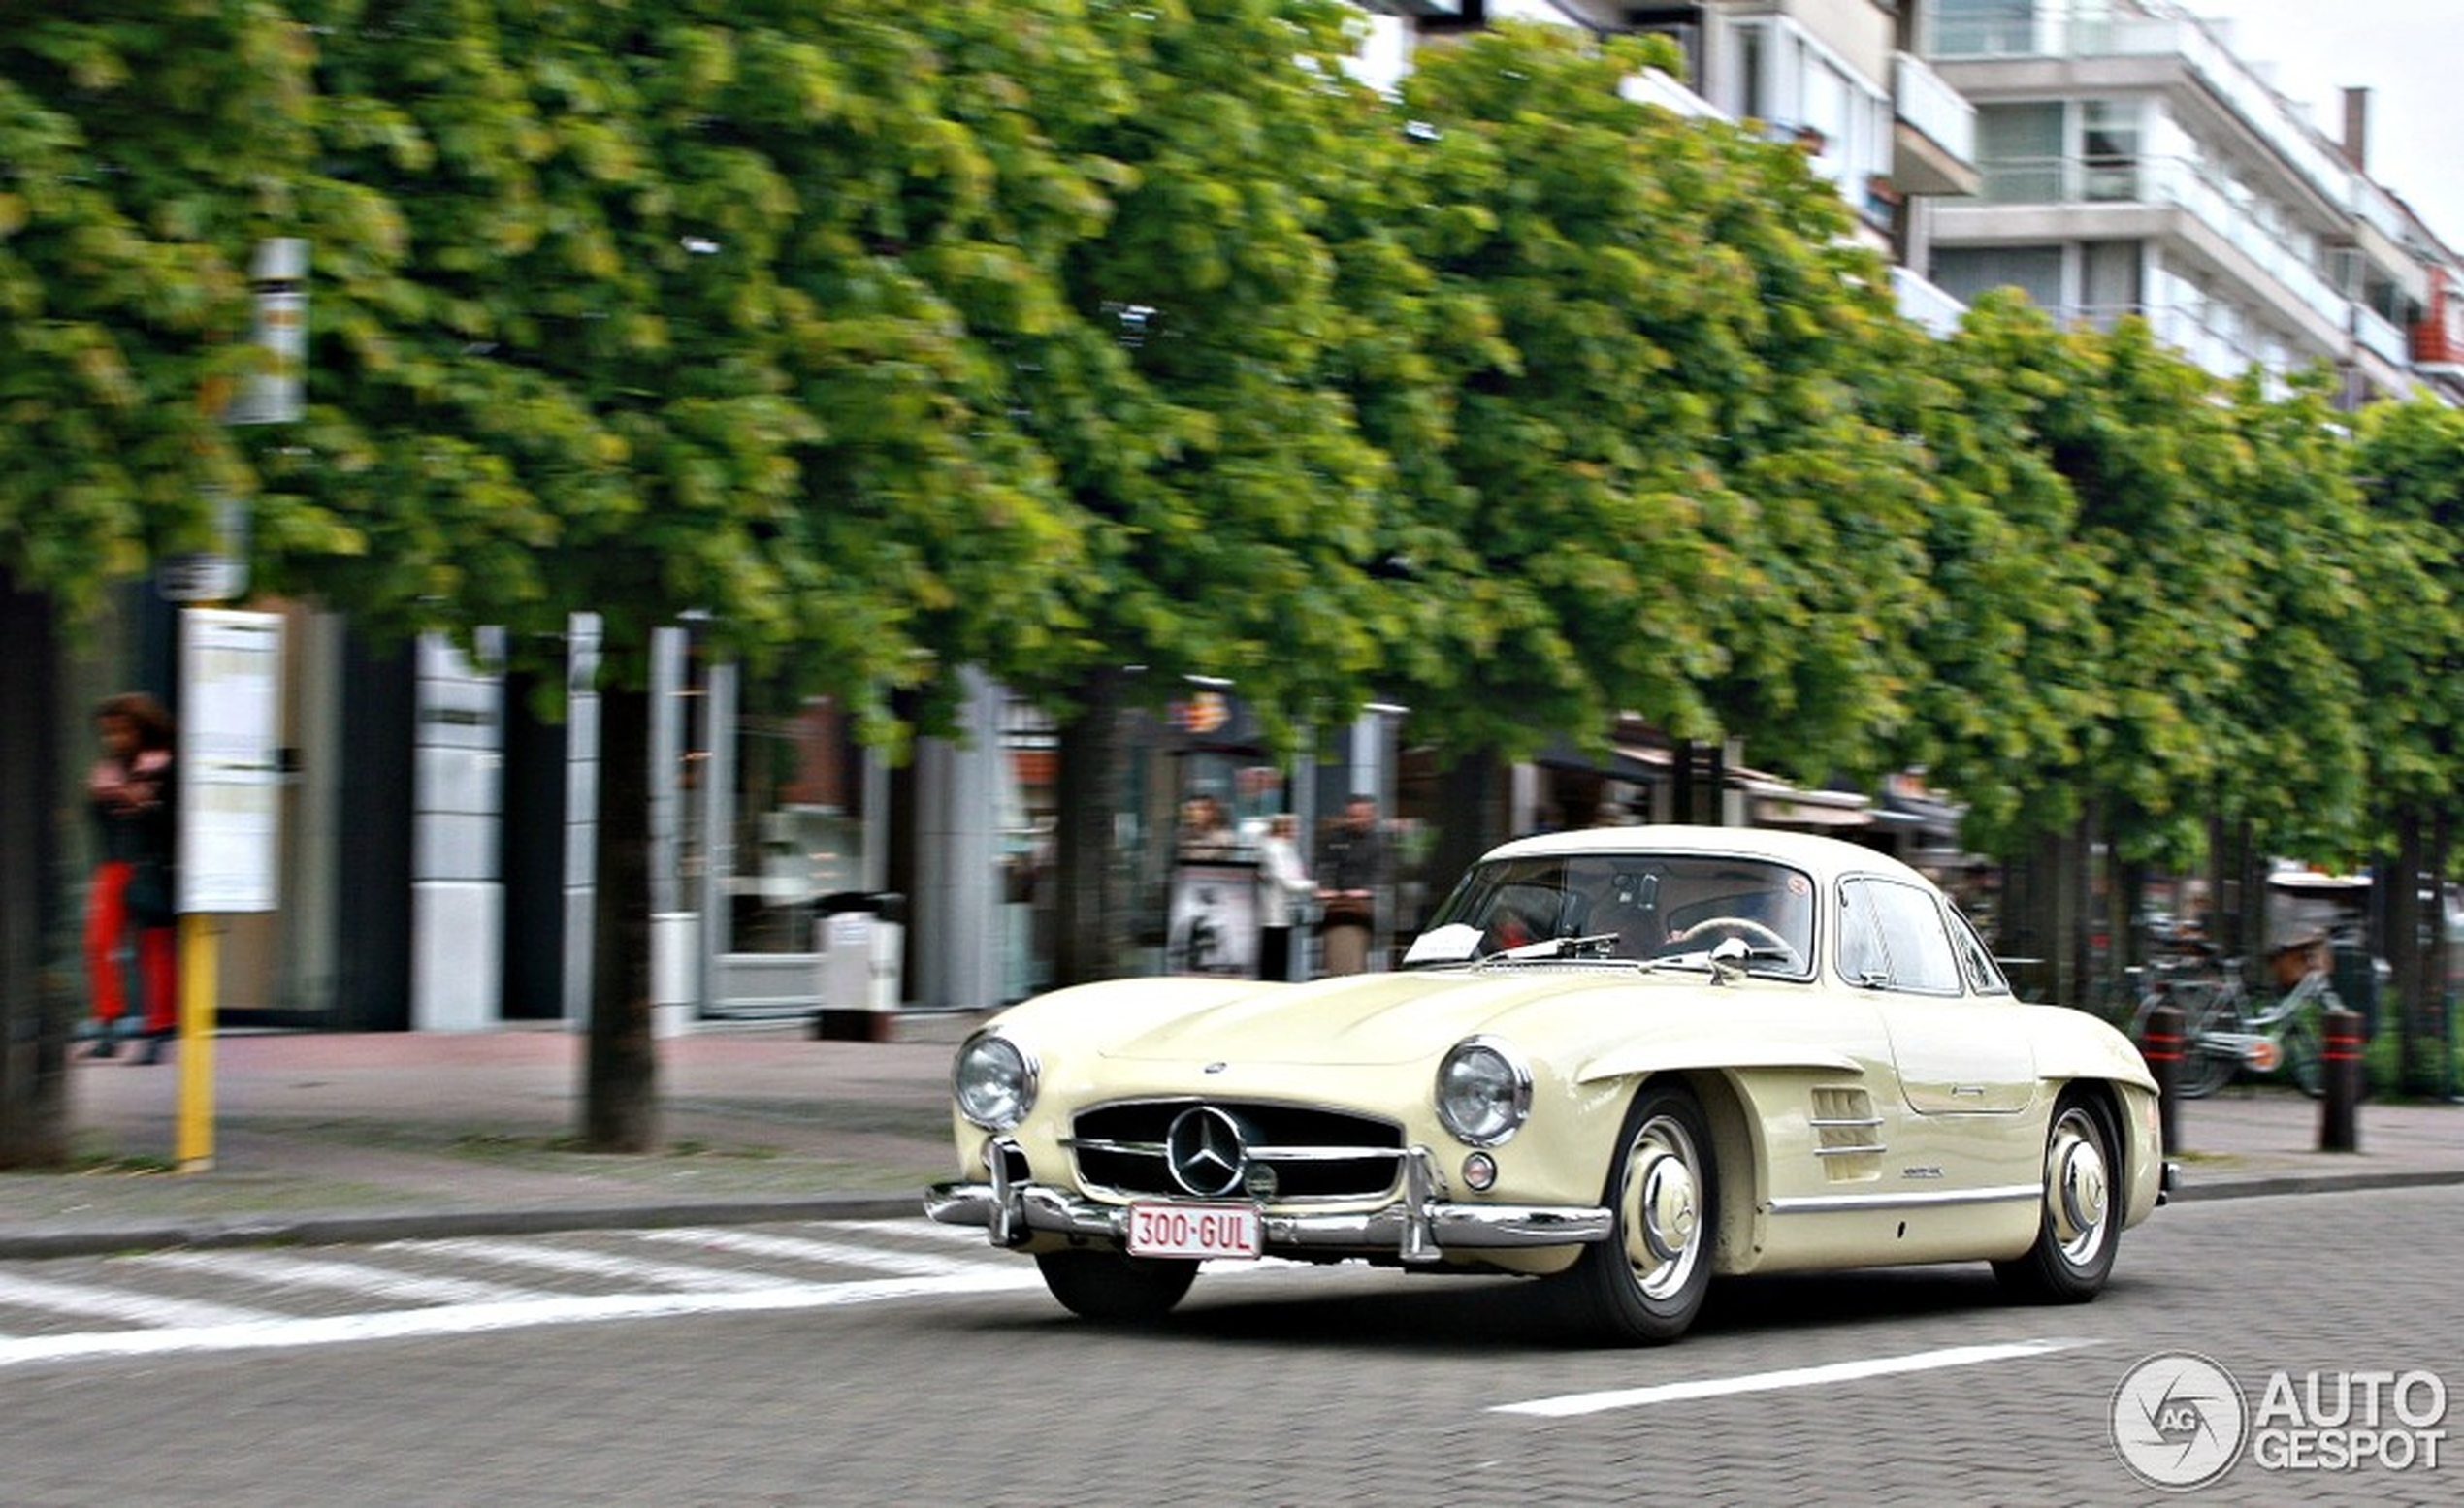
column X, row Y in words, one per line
column 1180, row 1230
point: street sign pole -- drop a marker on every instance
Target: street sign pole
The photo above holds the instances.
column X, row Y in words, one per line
column 230, row 786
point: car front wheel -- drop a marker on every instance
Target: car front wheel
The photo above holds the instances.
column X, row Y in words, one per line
column 1644, row 1284
column 2081, row 1221
column 1115, row 1287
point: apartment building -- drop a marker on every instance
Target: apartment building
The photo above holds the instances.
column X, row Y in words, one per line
column 2133, row 164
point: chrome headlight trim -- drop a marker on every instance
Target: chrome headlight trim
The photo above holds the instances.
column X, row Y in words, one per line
column 993, row 1080
column 1483, row 1091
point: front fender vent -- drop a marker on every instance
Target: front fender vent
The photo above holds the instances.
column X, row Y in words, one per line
column 1847, row 1135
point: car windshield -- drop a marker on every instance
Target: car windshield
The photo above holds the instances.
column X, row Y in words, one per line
column 1643, row 907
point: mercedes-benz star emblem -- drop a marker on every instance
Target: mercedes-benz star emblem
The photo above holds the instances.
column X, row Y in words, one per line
column 1203, row 1148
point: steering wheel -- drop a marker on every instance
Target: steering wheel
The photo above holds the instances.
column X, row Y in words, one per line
column 1752, row 931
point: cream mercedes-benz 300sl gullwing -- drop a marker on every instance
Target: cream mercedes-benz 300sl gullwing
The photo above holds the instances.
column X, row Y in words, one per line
column 1624, row 1060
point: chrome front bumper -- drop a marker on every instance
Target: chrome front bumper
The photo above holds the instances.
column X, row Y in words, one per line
column 1421, row 1225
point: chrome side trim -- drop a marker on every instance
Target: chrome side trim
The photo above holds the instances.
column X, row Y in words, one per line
column 1833, row 1203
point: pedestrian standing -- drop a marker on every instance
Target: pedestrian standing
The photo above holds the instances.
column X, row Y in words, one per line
column 1353, row 861
column 1283, row 886
column 130, row 792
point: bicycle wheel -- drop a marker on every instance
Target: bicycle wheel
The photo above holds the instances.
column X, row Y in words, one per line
column 2303, row 1062
column 2205, row 1067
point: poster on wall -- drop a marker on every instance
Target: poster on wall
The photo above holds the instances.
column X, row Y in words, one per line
column 230, row 759
column 1214, row 920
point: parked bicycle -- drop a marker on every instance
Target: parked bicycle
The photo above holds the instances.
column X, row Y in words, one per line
column 2227, row 1030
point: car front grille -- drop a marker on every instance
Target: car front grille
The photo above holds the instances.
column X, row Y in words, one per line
column 1289, row 1151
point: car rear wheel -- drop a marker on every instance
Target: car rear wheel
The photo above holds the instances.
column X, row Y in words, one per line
column 2081, row 1219
column 1115, row 1287
column 1644, row 1284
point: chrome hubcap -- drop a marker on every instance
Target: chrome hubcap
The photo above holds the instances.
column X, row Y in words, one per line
column 2079, row 1191
column 1663, row 1224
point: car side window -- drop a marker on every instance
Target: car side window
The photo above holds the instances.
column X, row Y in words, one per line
column 1863, row 959
column 1893, row 937
column 1984, row 974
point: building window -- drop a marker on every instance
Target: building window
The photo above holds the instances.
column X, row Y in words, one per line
column 1967, row 272
column 2019, row 152
column 1984, row 28
column 2109, row 149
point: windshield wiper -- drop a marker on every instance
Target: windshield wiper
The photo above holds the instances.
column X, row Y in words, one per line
column 1598, row 944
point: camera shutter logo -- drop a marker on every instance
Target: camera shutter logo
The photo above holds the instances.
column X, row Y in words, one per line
column 2179, row 1420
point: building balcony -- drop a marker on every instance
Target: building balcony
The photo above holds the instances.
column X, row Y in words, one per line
column 2166, row 183
column 2055, row 49
column 1933, row 133
column 1924, row 302
column 2438, row 336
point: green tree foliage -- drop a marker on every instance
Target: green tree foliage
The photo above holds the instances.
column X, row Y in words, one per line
column 2408, row 698
column 2013, row 647
column 2295, row 749
column 1658, row 486
column 142, row 150
column 667, row 309
column 1186, row 396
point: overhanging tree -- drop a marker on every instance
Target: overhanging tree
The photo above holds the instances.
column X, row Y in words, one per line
column 1659, row 484
column 649, row 309
column 142, row 152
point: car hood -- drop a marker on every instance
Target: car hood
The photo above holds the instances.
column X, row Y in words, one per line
column 1384, row 1018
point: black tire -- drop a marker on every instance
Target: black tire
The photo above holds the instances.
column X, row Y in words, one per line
column 1115, row 1287
column 1646, row 1283
column 2080, row 1222
column 2303, row 1063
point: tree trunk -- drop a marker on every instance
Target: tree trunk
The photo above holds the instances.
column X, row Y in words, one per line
column 2439, row 1023
column 620, row 1103
column 2405, row 951
column 1091, row 904
column 33, row 1115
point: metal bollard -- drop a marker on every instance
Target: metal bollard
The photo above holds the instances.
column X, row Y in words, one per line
column 2163, row 1048
column 2340, row 1070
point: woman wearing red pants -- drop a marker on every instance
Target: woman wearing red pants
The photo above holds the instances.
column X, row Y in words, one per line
column 131, row 790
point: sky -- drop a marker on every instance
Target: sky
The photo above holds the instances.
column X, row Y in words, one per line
column 2408, row 53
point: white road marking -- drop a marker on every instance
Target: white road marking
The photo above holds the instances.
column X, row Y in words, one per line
column 592, row 1263
column 475, row 1318
column 35, row 1293
column 353, row 1276
column 798, row 1248
column 918, row 1229
column 1571, row 1405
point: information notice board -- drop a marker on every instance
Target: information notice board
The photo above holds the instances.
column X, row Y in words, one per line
column 230, row 765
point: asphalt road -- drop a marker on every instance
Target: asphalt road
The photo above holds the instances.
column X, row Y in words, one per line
column 896, row 1362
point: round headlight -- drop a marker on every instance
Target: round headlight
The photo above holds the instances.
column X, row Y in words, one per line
column 993, row 1080
column 1484, row 1091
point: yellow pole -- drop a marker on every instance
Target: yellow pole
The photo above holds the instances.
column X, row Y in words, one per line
column 199, row 961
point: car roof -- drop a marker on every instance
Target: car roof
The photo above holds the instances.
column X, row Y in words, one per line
column 1820, row 857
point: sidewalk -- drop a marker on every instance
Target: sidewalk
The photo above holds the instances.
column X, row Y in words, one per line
column 323, row 1138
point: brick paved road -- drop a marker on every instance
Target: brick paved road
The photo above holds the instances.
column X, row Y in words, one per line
column 741, row 1386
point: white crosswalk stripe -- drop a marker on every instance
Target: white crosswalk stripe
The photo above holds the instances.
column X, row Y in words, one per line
column 404, row 1289
column 800, row 1248
column 594, row 1263
column 352, row 1276
column 115, row 1303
